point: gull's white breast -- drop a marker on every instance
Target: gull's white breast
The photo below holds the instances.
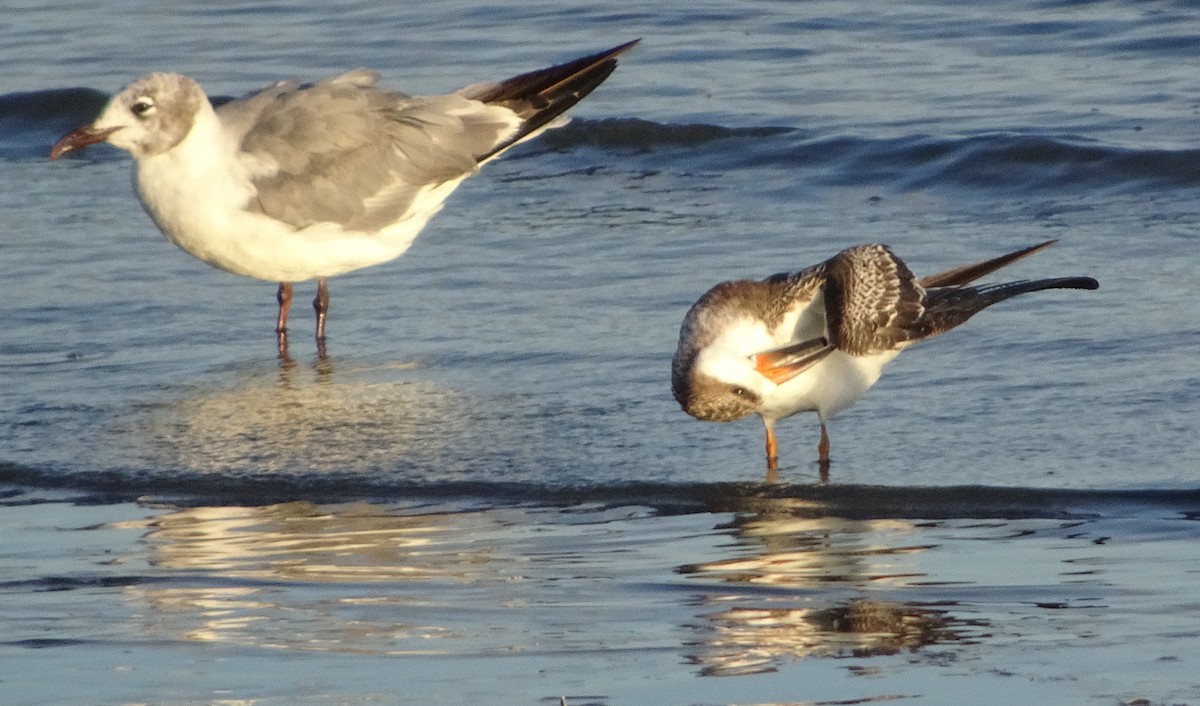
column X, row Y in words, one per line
column 197, row 194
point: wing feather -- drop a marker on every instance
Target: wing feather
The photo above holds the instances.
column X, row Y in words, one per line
column 969, row 273
column 346, row 152
column 873, row 302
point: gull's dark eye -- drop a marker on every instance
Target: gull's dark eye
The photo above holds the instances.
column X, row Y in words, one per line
column 142, row 106
column 740, row 391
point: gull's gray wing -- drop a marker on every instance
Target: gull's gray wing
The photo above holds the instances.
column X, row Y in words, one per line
column 347, row 152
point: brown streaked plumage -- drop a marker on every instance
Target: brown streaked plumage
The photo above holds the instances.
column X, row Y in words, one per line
column 818, row 339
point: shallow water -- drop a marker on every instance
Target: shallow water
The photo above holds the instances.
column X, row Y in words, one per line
column 753, row 599
column 488, row 476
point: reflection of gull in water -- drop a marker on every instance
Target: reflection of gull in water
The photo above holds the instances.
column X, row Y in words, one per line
column 308, row 421
column 299, row 540
column 788, row 598
column 252, row 575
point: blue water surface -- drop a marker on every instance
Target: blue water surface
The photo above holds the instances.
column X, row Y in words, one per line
column 518, row 355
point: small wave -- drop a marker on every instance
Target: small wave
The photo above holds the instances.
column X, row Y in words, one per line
column 638, row 134
column 994, row 161
column 847, row 501
column 1000, row 161
column 30, row 122
column 1005, row 160
column 49, row 584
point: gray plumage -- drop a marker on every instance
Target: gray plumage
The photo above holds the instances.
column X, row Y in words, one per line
column 308, row 181
column 346, row 151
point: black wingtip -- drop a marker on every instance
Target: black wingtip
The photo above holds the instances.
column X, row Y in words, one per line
column 604, row 55
column 555, row 79
column 543, row 95
column 624, row 47
column 1058, row 283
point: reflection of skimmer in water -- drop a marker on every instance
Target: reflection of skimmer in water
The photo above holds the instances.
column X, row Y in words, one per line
column 748, row 640
column 822, row 586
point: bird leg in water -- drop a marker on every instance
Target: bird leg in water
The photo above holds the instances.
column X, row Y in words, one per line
column 823, row 454
column 284, row 297
column 772, row 455
column 321, row 306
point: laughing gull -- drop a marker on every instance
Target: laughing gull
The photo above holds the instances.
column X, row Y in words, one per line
column 818, row 339
column 303, row 181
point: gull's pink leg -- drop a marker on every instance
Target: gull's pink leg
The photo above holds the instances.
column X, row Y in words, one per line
column 321, row 306
column 284, row 297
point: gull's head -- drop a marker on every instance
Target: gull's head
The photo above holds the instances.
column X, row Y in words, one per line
column 148, row 117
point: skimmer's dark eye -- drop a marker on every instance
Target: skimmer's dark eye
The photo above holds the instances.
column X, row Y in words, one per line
column 142, row 106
